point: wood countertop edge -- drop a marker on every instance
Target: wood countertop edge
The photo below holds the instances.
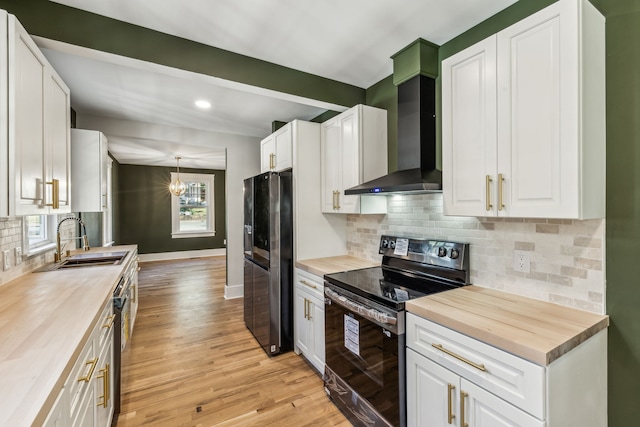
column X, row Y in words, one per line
column 334, row 264
column 481, row 328
column 37, row 415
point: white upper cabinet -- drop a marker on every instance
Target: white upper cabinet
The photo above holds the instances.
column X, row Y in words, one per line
column 523, row 119
column 89, row 165
column 34, row 128
column 276, row 150
column 353, row 151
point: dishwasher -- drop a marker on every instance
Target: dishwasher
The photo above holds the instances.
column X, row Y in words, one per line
column 122, row 310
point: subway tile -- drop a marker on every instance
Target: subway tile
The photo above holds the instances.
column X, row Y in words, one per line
column 524, row 246
column 590, row 264
column 547, row 228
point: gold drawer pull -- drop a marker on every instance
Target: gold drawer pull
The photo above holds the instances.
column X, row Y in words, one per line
column 105, row 386
column 55, row 193
column 311, row 285
column 450, row 414
column 463, row 423
column 488, row 195
column 500, row 190
column 109, row 323
column 93, row 364
column 460, row 358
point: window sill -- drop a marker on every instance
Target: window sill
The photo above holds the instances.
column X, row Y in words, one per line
column 38, row 250
column 190, row 235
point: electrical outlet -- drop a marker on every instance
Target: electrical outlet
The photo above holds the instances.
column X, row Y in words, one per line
column 6, row 260
column 522, row 261
column 18, row 255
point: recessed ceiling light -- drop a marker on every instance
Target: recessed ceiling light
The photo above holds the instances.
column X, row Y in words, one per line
column 201, row 103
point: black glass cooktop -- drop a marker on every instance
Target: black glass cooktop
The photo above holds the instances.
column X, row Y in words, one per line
column 384, row 286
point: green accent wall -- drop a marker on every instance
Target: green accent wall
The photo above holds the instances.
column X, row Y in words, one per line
column 623, row 207
column 144, row 215
column 384, row 94
column 58, row 22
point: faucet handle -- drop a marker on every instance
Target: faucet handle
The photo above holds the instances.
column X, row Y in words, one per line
column 85, row 243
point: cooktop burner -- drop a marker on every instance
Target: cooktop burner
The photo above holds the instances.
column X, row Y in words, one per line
column 411, row 268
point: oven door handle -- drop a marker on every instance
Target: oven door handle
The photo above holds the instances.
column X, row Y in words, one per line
column 364, row 311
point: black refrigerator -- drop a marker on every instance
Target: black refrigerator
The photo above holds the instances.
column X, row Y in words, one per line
column 268, row 260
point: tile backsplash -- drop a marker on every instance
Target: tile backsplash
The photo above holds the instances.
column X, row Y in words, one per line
column 567, row 256
column 11, row 236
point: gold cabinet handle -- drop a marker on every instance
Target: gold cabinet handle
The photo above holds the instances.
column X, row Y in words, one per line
column 487, row 184
column 87, row 378
column 105, row 386
column 309, row 310
column 450, row 414
column 55, row 193
column 311, row 285
column 104, row 206
column 305, row 309
column 133, row 294
column 500, row 189
column 272, row 161
column 460, row 358
column 463, row 423
column 109, row 323
column 334, row 200
column 338, row 200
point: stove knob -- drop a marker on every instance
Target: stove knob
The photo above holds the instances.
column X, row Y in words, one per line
column 385, row 243
column 455, row 253
column 442, row 252
column 392, row 244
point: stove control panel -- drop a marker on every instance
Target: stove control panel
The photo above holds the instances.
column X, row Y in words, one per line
column 427, row 251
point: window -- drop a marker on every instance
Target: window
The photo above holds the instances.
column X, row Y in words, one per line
column 39, row 232
column 192, row 214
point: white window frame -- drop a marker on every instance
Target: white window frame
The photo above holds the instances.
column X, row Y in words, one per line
column 44, row 245
column 208, row 179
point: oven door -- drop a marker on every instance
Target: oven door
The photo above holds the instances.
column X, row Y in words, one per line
column 364, row 358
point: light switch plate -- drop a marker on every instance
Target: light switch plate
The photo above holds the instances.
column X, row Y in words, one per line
column 6, row 260
column 18, row 252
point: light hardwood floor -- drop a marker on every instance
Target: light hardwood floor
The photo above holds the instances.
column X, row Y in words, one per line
column 192, row 361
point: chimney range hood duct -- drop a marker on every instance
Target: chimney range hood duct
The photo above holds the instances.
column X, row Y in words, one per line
column 417, row 171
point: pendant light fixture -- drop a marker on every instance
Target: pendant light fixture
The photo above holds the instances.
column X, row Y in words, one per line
column 177, row 187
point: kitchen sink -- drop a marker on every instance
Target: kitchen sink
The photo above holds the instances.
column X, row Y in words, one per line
column 92, row 259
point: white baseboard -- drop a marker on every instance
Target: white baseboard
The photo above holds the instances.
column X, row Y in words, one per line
column 162, row 256
column 235, row 291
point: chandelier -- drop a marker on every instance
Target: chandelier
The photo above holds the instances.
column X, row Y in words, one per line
column 177, row 187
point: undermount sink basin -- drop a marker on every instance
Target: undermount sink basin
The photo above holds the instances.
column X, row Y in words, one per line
column 92, row 259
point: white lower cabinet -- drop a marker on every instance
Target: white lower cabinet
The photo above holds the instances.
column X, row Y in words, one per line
column 456, row 380
column 454, row 401
column 309, row 318
column 57, row 415
column 86, row 397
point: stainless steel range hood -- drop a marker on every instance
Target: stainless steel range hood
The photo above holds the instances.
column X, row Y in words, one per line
column 417, row 171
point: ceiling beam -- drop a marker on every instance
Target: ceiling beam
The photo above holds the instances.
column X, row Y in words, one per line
column 70, row 25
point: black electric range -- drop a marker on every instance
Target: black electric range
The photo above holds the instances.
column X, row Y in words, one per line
column 364, row 324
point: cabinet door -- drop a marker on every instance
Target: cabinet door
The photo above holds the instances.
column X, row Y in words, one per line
column 350, row 161
column 316, row 313
column 87, row 410
column 103, row 385
column 432, row 393
column 483, row 409
column 267, row 154
column 469, row 130
column 26, row 130
column 58, row 414
column 57, row 115
column 301, row 322
column 331, row 164
column 538, row 94
column 283, row 148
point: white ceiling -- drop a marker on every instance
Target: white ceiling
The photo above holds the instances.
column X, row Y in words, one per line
column 348, row 41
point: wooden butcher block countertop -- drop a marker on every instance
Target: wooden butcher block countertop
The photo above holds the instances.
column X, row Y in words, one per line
column 45, row 318
column 334, row 264
column 534, row 330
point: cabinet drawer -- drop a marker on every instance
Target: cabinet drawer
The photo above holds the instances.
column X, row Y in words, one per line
column 104, row 328
column 311, row 282
column 79, row 380
column 511, row 378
